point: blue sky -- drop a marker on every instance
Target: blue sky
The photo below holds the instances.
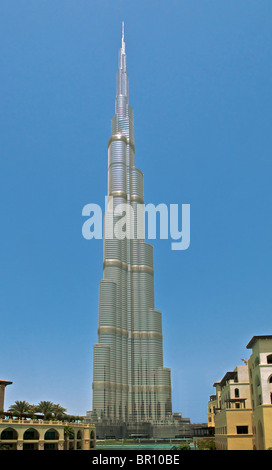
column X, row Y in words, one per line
column 200, row 86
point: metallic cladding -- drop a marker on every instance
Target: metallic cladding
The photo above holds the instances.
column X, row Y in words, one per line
column 129, row 380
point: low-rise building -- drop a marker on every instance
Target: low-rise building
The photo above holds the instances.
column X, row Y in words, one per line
column 260, row 375
column 32, row 434
column 212, row 405
column 233, row 412
column 38, row 434
column 241, row 409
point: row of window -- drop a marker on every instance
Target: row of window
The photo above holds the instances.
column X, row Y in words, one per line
column 33, row 434
column 239, row 430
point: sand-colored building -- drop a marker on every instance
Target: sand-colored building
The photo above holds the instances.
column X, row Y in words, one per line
column 31, row 434
column 212, row 405
column 39, row 434
column 260, row 375
column 233, row 412
column 241, row 410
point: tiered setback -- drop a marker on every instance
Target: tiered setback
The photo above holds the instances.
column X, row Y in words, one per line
column 129, row 380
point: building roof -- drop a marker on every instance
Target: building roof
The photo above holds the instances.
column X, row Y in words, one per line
column 227, row 376
column 5, row 382
column 256, row 338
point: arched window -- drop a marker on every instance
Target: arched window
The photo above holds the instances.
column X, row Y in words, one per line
column 51, row 435
column 270, row 379
column 31, row 434
column 236, row 393
column 9, row 433
column 269, row 359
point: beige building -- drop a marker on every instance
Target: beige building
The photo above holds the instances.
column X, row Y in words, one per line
column 31, row 434
column 212, row 405
column 38, row 434
column 260, row 375
column 233, row 412
column 241, row 410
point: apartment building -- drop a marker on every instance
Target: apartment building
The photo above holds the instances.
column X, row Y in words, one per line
column 241, row 409
column 233, row 411
column 260, row 376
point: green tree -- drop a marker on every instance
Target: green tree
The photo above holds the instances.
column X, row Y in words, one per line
column 50, row 410
column 58, row 411
column 206, row 444
column 68, row 434
column 19, row 408
column 68, row 431
column 46, row 408
column 184, row 446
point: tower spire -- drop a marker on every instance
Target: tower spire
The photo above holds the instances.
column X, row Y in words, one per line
column 122, row 78
column 123, row 37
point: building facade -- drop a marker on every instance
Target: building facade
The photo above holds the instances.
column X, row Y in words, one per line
column 33, row 434
column 260, row 375
column 130, row 383
column 212, row 404
column 241, row 410
column 233, row 411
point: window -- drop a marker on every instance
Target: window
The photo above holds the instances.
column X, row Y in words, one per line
column 269, row 359
column 9, row 434
column 51, row 434
column 237, row 405
column 236, row 393
column 242, row 429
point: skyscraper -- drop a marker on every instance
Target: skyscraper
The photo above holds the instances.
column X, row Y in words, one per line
column 130, row 383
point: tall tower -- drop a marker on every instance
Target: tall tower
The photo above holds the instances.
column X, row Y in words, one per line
column 130, row 383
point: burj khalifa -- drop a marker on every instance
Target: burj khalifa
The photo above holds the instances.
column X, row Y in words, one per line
column 130, row 383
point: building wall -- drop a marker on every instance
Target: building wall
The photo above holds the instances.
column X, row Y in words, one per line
column 212, row 405
column 233, row 417
column 260, row 373
column 251, row 385
column 31, row 434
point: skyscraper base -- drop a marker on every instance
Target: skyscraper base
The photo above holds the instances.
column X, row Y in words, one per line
column 175, row 427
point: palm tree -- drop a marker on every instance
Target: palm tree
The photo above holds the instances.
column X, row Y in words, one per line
column 19, row 408
column 46, row 408
column 68, row 434
column 50, row 409
column 58, row 411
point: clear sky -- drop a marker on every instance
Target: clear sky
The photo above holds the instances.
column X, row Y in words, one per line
column 200, row 86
